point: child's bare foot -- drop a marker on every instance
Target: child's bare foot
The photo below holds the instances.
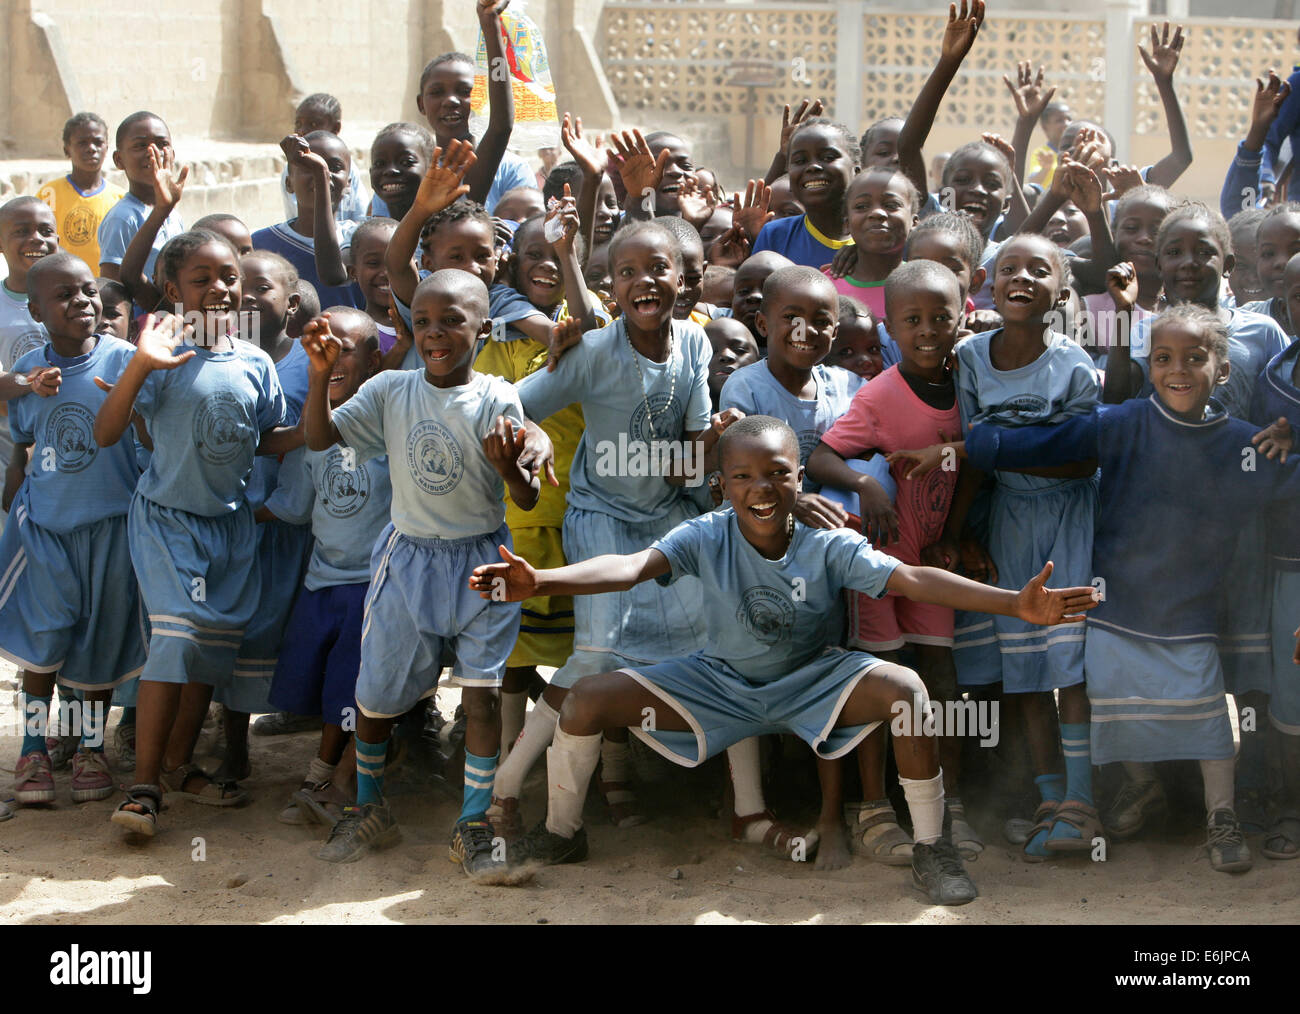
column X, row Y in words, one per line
column 833, row 846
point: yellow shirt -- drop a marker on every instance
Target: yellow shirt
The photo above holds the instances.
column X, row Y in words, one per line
column 77, row 216
column 1042, row 163
column 515, row 360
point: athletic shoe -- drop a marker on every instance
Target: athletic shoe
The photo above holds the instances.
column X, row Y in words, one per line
column 33, row 780
column 282, row 722
column 938, row 871
column 482, row 854
column 1136, row 803
column 90, row 776
column 124, row 746
column 360, row 828
column 1226, row 844
column 541, row 847
column 60, row 750
column 505, row 819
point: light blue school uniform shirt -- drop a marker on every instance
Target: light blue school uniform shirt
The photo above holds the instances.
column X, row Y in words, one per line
column 512, row 172
column 1061, row 382
column 121, row 224
column 348, row 503
column 443, row 485
column 300, row 251
column 601, row 374
column 1253, row 340
column 73, row 481
column 292, row 374
column 766, row 618
column 983, row 299
column 206, row 418
column 754, row 391
column 19, row 335
column 505, row 306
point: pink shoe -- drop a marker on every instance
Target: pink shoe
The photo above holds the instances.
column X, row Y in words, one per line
column 33, row 780
column 90, row 777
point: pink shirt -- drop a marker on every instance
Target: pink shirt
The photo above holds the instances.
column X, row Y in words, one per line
column 1107, row 328
column 870, row 293
column 886, row 416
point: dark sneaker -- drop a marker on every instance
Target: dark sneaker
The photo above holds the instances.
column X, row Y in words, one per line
column 1135, row 805
column 937, row 870
column 1226, row 844
column 481, row 853
column 282, row 723
column 360, row 828
column 540, row 847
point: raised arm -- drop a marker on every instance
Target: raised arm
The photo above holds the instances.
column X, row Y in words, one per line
column 1243, row 187
column 808, row 108
column 322, row 353
column 516, row 580
column 168, row 187
column 155, row 350
column 325, row 232
column 958, row 38
column 1031, row 100
column 1161, row 61
column 591, row 159
column 1123, row 376
column 501, row 117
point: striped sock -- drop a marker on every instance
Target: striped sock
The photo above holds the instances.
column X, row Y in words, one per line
column 93, row 717
column 370, row 770
column 479, row 775
column 1077, row 748
column 36, row 715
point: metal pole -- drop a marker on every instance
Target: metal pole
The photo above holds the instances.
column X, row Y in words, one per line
column 1120, row 42
column 848, row 62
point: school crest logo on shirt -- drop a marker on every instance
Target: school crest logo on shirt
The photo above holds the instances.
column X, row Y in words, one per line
column 27, row 341
column 79, row 226
column 343, row 491
column 768, row 615
column 70, row 430
column 1022, row 406
column 667, row 420
column 434, row 458
column 219, row 428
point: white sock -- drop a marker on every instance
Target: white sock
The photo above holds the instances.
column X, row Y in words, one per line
column 513, row 707
column 615, row 761
column 746, row 776
column 569, row 763
column 1218, row 777
column 531, row 744
column 925, row 804
column 319, row 771
column 1140, row 772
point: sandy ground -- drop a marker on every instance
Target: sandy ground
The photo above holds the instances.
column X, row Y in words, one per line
column 66, row 864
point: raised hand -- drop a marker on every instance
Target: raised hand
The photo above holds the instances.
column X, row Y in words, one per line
column 588, row 154
column 808, row 108
column 730, row 249
column 167, row 184
column 512, row 581
column 1028, row 92
column 566, row 210
column 298, row 153
column 1263, row 111
column 564, row 336
column 491, row 9
column 752, row 214
column 444, row 181
column 1036, row 603
column 1122, row 179
column 322, row 348
column 1122, row 284
column 640, row 170
column 156, row 346
column 695, row 205
column 1004, row 146
column 1084, row 188
column 962, row 28
column 1162, row 60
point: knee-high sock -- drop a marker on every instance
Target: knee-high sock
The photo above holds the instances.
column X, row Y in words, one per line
column 539, row 728
column 1218, row 778
column 36, row 722
column 370, row 770
column 479, row 774
column 570, row 762
column 925, row 803
column 746, row 776
column 1077, row 747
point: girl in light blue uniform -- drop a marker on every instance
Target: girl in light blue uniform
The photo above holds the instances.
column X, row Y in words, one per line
column 192, row 533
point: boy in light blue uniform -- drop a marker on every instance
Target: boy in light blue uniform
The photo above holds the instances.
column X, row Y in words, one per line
column 207, row 408
column 452, row 448
column 771, row 585
column 136, row 135
column 69, row 604
column 348, row 503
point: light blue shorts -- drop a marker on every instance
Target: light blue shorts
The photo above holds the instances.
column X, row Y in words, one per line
column 1026, row 529
column 1155, row 701
column 200, row 585
column 647, row 623
column 722, row 707
column 69, row 602
column 1284, row 702
column 419, row 603
column 282, row 554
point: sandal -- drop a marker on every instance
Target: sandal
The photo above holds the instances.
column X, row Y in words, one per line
column 874, row 832
column 961, row 834
column 784, row 840
column 214, row 793
column 1044, row 817
column 1083, row 817
column 1283, row 841
column 149, row 799
column 621, row 802
column 321, row 802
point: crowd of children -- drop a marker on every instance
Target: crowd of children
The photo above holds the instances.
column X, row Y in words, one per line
column 870, row 444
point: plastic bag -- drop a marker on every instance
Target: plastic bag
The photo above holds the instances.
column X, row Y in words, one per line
column 537, row 123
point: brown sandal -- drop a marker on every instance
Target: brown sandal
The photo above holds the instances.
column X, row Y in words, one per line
column 621, row 802
column 1083, row 818
column 1044, row 817
column 780, row 839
